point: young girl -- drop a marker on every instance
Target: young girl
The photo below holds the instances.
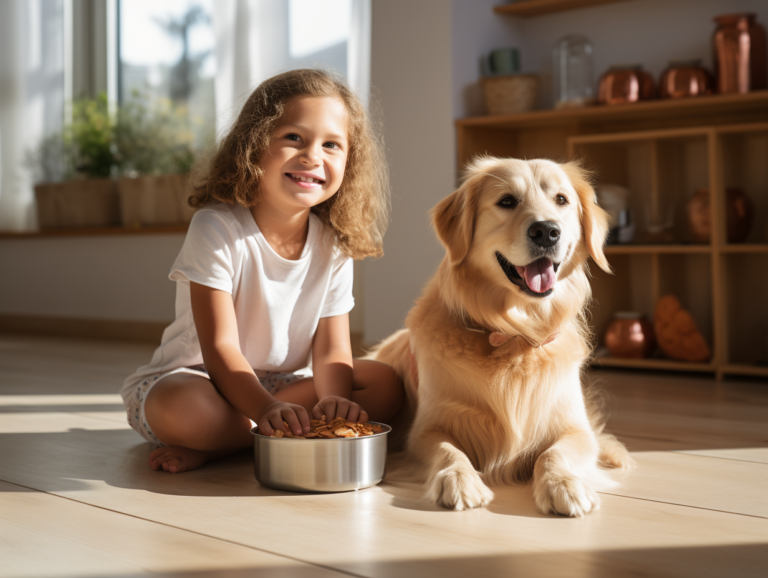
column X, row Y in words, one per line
column 264, row 281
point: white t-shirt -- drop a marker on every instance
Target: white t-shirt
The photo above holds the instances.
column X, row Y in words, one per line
column 278, row 302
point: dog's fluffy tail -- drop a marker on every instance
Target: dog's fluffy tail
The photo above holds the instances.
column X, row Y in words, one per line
column 395, row 350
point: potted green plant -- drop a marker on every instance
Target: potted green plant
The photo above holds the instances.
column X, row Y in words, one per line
column 155, row 150
column 128, row 166
column 74, row 171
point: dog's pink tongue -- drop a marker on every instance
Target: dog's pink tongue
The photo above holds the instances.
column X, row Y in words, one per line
column 540, row 275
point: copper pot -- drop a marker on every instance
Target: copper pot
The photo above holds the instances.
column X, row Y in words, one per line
column 685, row 78
column 740, row 54
column 738, row 213
column 630, row 335
column 622, row 84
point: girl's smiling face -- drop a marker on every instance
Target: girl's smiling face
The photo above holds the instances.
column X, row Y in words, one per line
column 305, row 162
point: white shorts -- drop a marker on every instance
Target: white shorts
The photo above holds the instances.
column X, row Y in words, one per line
column 134, row 402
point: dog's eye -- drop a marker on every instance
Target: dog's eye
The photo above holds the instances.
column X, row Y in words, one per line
column 561, row 200
column 508, row 202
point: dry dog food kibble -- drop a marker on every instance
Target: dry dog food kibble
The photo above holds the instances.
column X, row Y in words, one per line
column 338, row 428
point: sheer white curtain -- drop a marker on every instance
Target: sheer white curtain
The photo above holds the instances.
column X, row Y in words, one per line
column 359, row 50
column 254, row 41
column 31, row 97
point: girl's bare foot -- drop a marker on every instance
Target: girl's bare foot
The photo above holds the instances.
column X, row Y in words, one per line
column 176, row 459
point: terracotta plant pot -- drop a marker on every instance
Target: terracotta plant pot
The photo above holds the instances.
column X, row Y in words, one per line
column 630, row 335
column 155, row 200
column 74, row 204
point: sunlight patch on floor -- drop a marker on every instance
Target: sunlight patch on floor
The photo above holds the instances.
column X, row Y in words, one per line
column 72, row 399
column 49, row 422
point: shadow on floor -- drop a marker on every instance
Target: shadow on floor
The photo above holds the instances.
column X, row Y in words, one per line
column 75, row 459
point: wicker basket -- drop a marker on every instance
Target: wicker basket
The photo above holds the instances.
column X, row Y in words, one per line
column 76, row 204
column 155, row 200
column 510, row 94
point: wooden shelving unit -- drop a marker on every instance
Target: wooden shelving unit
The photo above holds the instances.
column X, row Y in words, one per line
column 527, row 8
column 662, row 151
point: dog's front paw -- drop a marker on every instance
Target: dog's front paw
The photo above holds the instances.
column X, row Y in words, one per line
column 566, row 495
column 459, row 489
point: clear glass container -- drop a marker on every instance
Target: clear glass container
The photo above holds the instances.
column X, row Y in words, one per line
column 572, row 72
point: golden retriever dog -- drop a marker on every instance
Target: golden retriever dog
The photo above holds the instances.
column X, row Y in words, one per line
column 495, row 347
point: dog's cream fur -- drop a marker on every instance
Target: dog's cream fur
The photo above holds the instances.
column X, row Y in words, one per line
column 504, row 414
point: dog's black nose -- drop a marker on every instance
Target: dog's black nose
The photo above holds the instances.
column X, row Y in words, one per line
column 544, row 233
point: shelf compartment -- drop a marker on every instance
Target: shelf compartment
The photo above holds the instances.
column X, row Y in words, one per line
column 743, row 153
column 661, row 169
column 745, row 285
column 639, row 280
column 653, row 363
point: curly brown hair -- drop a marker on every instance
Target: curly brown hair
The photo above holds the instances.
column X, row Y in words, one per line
column 357, row 213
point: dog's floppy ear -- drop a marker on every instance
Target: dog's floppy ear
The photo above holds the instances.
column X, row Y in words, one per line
column 454, row 216
column 594, row 220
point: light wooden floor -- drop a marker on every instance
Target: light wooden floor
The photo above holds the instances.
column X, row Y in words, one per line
column 77, row 498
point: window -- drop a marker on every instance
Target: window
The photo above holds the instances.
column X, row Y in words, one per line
column 186, row 54
column 166, row 59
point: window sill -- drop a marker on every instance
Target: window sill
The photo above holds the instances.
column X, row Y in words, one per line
column 95, row 232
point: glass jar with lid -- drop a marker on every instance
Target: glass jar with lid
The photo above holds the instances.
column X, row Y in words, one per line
column 572, row 72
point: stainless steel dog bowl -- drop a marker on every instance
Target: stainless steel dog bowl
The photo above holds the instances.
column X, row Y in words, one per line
column 319, row 464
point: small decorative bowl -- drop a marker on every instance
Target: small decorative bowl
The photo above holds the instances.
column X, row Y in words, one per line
column 685, row 78
column 624, row 84
column 630, row 335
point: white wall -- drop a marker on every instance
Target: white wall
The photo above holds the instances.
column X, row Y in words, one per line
column 109, row 277
column 476, row 30
column 411, row 78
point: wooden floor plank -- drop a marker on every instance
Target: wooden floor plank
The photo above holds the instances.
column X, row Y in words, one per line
column 738, row 487
column 759, row 455
column 45, row 535
column 651, row 431
column 678, row 514
column 395, row 531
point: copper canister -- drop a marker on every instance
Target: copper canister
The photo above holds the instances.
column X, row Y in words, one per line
column 623, row 84
column 685, row 78
column 630, row 335
column 740, row 59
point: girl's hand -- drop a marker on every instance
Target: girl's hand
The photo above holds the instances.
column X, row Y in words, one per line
column 275, row 414
column 333, row 406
